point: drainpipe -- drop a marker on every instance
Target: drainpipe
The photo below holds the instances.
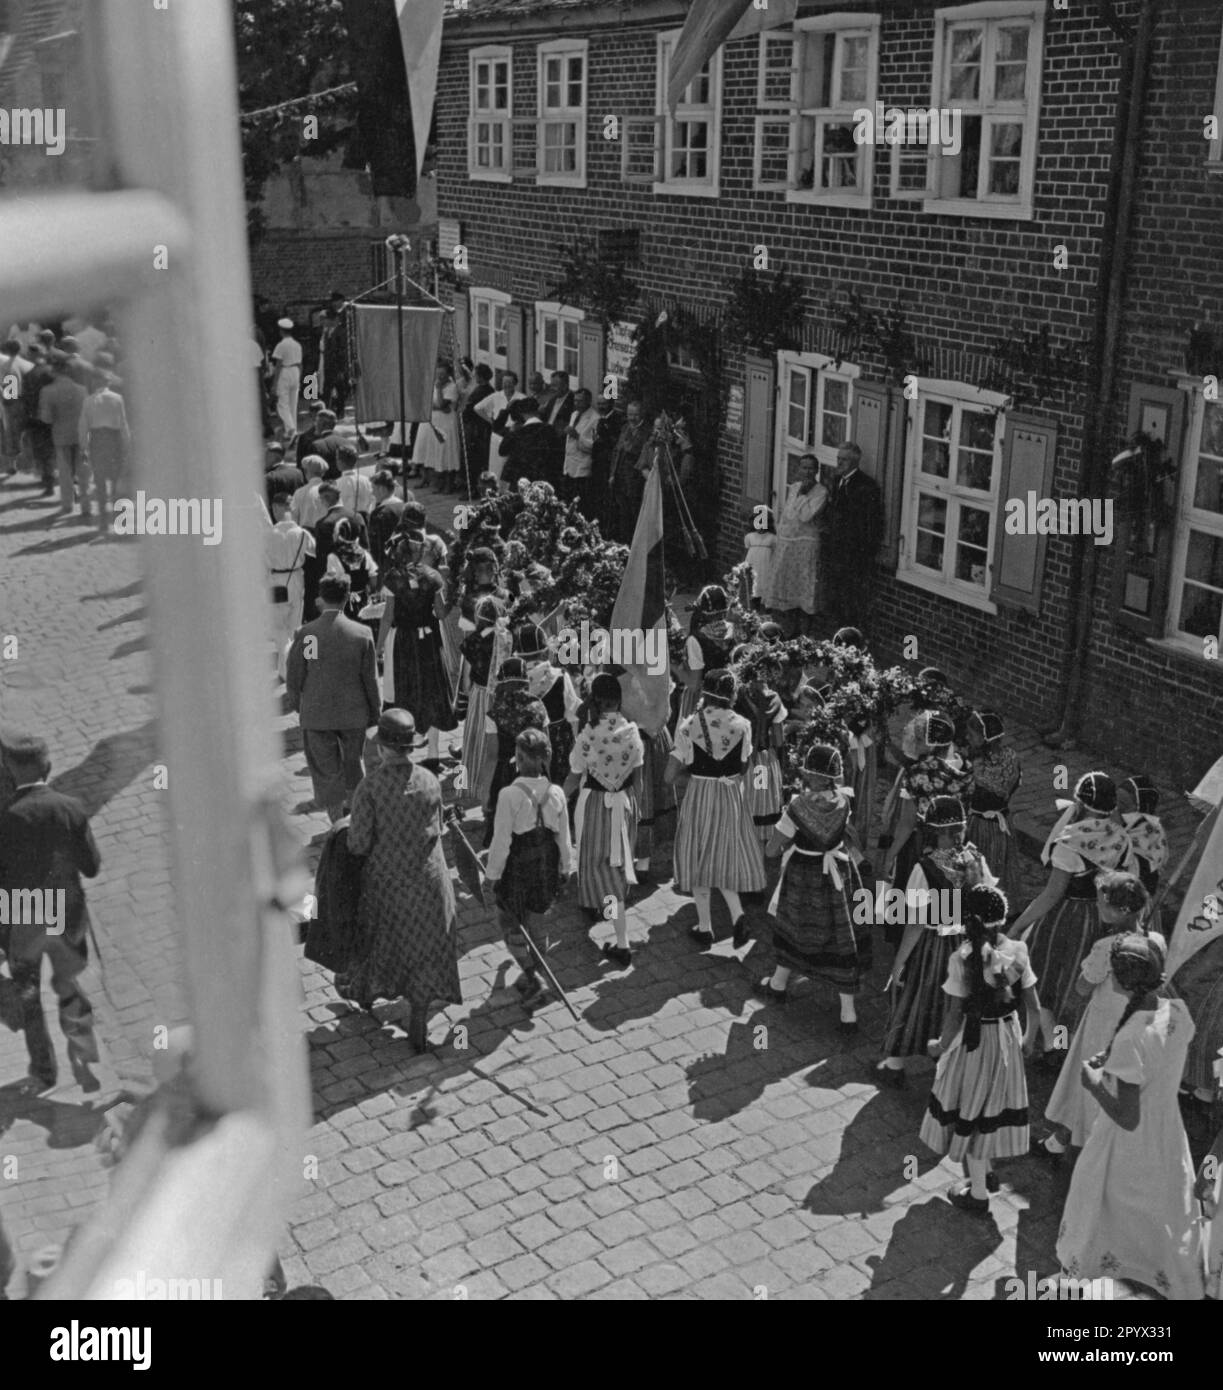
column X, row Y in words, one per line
column 1114, row 250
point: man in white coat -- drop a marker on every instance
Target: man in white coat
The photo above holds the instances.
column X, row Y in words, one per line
column 286, row 548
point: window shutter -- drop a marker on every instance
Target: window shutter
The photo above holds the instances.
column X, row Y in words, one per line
column 515, row 342
column 1029, row 448
column 590, row 359
column 758, row 408
column 773, row 154
column 462, row 323
column 529, row 363
column 641, row 149
column 1140, row 579
column 878, row 430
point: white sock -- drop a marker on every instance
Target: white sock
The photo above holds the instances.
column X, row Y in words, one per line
column 892, row 1064
column 1055, row 1145
column 781, row 977
column 435, row 741
column 704, row 918
column 978, row 1171
column 733, row 903
column 849, row 1013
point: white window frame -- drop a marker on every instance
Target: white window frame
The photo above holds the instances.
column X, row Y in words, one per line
column 490, row 53
column 494, row 300
column 958, row 395
column 563, row 313
column 818, row 368
column 1188, row 518
column 793, row 115
column 1214, row 155
column 991, row 13
column 576, row 115
column 688, row 188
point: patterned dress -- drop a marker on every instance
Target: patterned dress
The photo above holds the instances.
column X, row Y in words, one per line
column 555, row 691
column 794, row 574
column 996, row 778
column 1058, row 944
column 1130, row 1210
column 605, row 756
column 812, row 908
column 422, row 685
column 707, row 649
column 715, row 842
column 762, row 775
column 929, row 776
column 408, row 943
column 978, row 1106
column 1149, row 846
column 920, row 1003
column 484, row 651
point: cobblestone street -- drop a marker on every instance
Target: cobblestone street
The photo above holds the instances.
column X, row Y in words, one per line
column 684, row 1140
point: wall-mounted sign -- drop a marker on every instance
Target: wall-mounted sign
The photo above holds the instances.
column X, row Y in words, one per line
column 449, row 235
column 734, row 411
column 620, row 349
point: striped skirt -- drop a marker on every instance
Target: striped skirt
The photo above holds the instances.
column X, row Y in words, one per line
column 1057, row 946
column 864, row 791
column 762, row 791
column 919, row 1005
column 978, row 1106
column 479, row 747
column 1002, row 856
column 598, row 878
column 715, row 841
column 813, row 928
column 452, row 636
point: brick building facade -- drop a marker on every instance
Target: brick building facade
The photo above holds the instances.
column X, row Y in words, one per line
column 1041, row 284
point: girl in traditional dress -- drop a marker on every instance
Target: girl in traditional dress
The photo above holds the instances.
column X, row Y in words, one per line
column 531, row 854
column 758, row 547
column 429, row 453
column 715, row 841
column 1121, row 901
column 484, row 648
column 996, row 776
column 711, row 639
column 940, row 771
column 606, row 765
column 414, row 606
column 1208, row 1189
column 1063, row 923
column 1129, row 1212
column 761, row 706
column 406, row 916
column 552, row 686
column 863, row 751
column 932, row 932
column 512, row 710
column 350, row 557
column 930, row 692
column 812, row 909
column 978, row 1107
column 794, row 575
column 1138, row 800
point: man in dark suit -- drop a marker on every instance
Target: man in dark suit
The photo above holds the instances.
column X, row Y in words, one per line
column 327, row 443
column 45, row 847
column 38, row 436
column 556, row 413
column 476, row 429
column 305, row 440
column 385, row 515
column 332, row 682
column 529, row 448
column 852, row 533
column 279, row 476
column 324, row 529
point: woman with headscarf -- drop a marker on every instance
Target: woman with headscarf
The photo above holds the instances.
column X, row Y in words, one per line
column 863, row 760
column 513, row 708
column 715, row 842
column 931, row 691
column 414, row 607
column 552, row 686
column 794, row 574
column 606, row 765
column 408, row 944
column 978, row 1106
column 812, row 911
column 348, row 556
column 1121, row 901
column 711, row 639
column 996, row 776
column 932, row 932
column 1138, row 800
column 1129, row 1212
column 761, row 706
column 1063, row 923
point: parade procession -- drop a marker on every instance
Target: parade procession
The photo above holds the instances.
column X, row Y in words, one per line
column 570, row 730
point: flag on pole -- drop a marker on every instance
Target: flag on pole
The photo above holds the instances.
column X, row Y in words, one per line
column 641, row 608
column 712, row 23
column 420, row 34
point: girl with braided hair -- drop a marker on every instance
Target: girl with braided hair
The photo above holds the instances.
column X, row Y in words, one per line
column 1129, row 1211
column 1122, row 902
column 978, row 1107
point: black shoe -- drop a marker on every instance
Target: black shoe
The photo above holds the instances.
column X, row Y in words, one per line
column 702, row 935
column 962, row 1197
column 535, row 995
column 433, row 765
column 1037, row 1149
column 36, row 1085
column 991, row 1182
column 891, row 1077
column 742, row 935
column 418, row 1033
column 765, row 990
column 620, row 955
column 848, row 1028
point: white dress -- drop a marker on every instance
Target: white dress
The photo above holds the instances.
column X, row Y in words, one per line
column 796, row 552
column 1130, row 1212
column 430, row 450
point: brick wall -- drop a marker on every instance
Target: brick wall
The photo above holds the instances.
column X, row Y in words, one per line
column 963, row 283
column 297, row 268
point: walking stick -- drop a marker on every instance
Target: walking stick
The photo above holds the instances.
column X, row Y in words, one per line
column 552, row 980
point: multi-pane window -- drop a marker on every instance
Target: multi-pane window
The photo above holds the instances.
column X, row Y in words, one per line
column 558, row 340
column 488, row 126
column 690, row 137
column 952, row 496
column 562, row 113
column 988, row 71
column 490, row 328
column 1196, row 608
column 810, row 82
column 815, row 411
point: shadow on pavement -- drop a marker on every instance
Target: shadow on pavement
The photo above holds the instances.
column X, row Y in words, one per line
column 932, row 1253
column 112, row 764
